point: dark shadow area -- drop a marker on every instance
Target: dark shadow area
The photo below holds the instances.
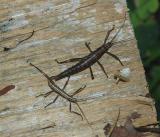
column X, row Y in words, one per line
column 145, row 18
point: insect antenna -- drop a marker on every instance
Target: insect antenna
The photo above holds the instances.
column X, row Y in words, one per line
column 40, row 71
column 119, row 28
column 48, row 78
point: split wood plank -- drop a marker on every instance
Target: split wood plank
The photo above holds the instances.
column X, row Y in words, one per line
column 61, row 29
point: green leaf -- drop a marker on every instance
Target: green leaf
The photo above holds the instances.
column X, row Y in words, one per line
column 146, row 7
column 153, row 5
column 140, row 3
column 135, row 19
column 142, row 12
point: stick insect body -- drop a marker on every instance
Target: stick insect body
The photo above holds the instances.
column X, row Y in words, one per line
column 87, row 61
column 63, row 94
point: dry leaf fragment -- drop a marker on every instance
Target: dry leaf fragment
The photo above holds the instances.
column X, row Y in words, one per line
column 6, row 89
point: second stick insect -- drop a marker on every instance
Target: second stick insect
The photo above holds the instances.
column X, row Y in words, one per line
column 64, row 95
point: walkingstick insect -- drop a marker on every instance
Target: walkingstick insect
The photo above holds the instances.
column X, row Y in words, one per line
column 55, row 88
column 89, row 60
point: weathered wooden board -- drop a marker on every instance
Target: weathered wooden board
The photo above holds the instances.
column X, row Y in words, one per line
column 61, row 28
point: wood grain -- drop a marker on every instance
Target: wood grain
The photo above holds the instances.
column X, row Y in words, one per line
column 61, row 29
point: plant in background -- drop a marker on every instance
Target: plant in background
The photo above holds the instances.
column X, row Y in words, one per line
column 145, row 17
column 144, row 9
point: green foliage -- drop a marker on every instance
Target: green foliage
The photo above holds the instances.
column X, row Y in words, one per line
column 144, row 9
column 156, row 74
column 143, row 15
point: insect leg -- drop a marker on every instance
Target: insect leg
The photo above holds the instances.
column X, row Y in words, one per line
column 68, row 60
column 79, row 90
column 101, row 66
column 82, row 112
column 70, row 109
column 114, row 56
column 49, row 104
column 65, row 85
column 108, row 33
column 88, row 47
column 45, row 94
column 92, row 76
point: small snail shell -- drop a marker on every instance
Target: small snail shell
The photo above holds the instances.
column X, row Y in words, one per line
column 123, row 75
